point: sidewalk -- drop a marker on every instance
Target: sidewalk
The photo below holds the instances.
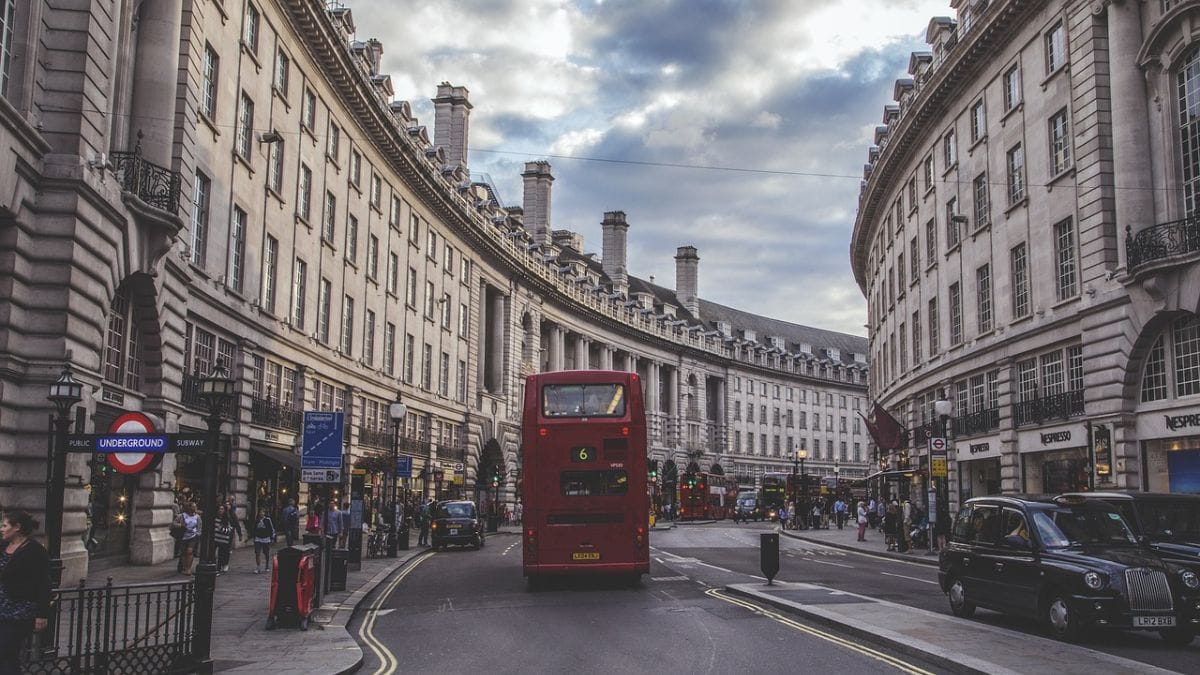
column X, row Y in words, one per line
column 847, row 539
column 959, row 645
column 242, row 644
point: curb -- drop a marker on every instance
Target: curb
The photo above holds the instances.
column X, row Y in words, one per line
column 357, row 598
column 900, row 645
column 921, row 560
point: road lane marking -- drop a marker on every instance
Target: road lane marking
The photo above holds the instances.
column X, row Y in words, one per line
column 675, row 578
column 826, row 562
column 387, row 660
column 890, row 660
column 924, row 581
column 510, row 547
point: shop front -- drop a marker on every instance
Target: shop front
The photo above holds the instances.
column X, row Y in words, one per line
column 274, row 479
column 1170, row 451
column 1055, row 460
column 978, row 467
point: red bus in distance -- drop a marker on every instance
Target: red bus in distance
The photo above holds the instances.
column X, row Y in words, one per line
column 707, row 496
column 583, row 471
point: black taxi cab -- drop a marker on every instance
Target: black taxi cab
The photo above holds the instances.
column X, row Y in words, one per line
column 457, row 523
column 1074, row 564
column 1169, row 523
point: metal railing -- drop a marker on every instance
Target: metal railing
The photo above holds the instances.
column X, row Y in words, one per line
column 978, row 422
column 128, row 628
column 190, row 395
column 1055, row 407
column 152, row 184
column 274, row 414
column 1162, row 241
column 376, row 438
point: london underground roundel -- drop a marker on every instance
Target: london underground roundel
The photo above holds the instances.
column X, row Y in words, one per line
column 131, row 462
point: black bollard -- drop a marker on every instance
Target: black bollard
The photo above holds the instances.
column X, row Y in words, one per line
column 768, row 550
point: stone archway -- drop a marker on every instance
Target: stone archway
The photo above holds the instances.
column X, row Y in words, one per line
column 716, row 470
column 693, row 467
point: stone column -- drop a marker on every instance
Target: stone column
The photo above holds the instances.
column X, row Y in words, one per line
column 155, row 74
column 652, row 387
column 560, row 348
column 496, row 362
column 1130, row 122
column 581, row 353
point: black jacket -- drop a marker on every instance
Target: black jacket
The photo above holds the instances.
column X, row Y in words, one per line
column 27, row 576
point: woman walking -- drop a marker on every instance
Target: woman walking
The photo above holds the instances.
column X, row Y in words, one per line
column 191, row 536
column 890, row 521
column 24, row 587
column 223, row 538
column 862, row 521
column 264, row 534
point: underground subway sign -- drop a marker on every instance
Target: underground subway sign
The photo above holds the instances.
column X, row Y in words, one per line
column 132, row 444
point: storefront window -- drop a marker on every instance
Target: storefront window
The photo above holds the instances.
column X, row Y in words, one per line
column 1173, row 465
column 978, row 478
column 1056, row 472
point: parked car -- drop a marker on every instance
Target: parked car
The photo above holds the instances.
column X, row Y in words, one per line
column 1073, row 563
column 458, row 523
column 749, row 508
column 1167, row 523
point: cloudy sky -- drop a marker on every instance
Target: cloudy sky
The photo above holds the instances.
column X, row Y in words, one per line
column 763, row 109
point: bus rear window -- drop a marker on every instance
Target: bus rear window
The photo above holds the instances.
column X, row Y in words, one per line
column 594, row 483
column 583, row 400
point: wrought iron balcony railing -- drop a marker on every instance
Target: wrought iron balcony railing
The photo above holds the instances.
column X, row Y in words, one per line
column 153, row 184
column 1056, row 407
column 191, row 391
column 977, row 422
column 1162, row 241
column 376, row 438
column 273, row 414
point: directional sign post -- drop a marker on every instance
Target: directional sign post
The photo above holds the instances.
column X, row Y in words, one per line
column 404, row 466
column 322, row 448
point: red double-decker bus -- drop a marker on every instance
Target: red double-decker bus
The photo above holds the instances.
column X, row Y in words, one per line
column 707, row 496
column 586, row 508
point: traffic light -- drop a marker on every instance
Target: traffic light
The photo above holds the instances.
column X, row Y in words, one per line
column 653, row 470
column 495, row 477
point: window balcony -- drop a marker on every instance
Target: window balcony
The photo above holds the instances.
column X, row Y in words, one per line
column 151, row 183
column 978, row 422
column 375, row 438
column 1162, row 242
column 270, row 413
column 191, row 392
column 1056, row 407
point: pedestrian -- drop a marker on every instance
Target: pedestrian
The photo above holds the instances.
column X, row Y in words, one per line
column 890, row 519
column 906, row 522
column 882, row 510
column 518, row 511
column 234, row 521
column 344, row 539
column 24, row 587
column 264, row 534
column 189, row 538
column 871, row 513
column 312, row 525
column 423, row 516
column 291, row 522
column 816, row 515
column 783, row 516
column 863, row 521
column 839, row 512
column 333, row 522
column 222, row 538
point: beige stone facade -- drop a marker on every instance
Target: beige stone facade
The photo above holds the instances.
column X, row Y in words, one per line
column 235, row 180
column 1027, row 246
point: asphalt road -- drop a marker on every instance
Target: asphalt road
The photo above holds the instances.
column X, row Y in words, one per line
column 471, row 611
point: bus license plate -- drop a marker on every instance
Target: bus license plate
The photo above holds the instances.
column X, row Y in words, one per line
column 586, row 555
column 1153, row 621
column 453, row 531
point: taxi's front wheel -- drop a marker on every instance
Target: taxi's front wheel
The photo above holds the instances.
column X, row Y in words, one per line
column 1060, row 618
column 959, row 605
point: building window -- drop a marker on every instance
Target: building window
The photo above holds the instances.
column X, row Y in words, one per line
column 355, row 168
column 1016, row 174
column 208, row 98
column 304, row 193
column 1019, row 266
column 464, row 320
column 1060, row 143
column 389, row 348
column 324, row 299
column 334, row 143
column 444, row 375
column 429, row 299
column 933, row 327
column 931, row 240
column 1186, row 343
column 245, row 129
column 1056, row 48
column 270, row 274
column 447, row 311
column 409, row 348
column 956, row 334
column 983, row 206
column 903, row 348
column 928, row 173
column 950, row 150
column 200, row 219
column 1188, row 85
column 412, row 287
column 251, row 33
column 915, row 263
column 393, row 279
column 122, row 355
column 8, row 10
column 347, row 326
column 394, row 213
column 376, row 190
column 1064, row 257
column 352, row 244
column 237, row 250
column 299, row 282
column 427, row 367
column 978, row 121
column 1012, row 88
column 983, row 293
column 275, row 168
column 953, row 231
column 900, row 272
column 916, row 337
column 308, row 110
column 329, row 221
column 282, row 66
column 1154, row 376
column 369, row 339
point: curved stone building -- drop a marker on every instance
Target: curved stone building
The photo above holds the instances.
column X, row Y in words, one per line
column 1028, row 246
column 235, row 181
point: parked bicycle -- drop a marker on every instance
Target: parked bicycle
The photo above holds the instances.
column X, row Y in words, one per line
column 378, row 542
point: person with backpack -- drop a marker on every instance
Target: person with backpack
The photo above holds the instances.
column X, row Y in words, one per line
column 264, row 534
column 291, row 522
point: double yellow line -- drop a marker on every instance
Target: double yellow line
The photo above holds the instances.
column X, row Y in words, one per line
column 387, row 660
column 903, row 666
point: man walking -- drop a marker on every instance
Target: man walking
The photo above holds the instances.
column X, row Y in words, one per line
column 291, row 522
column 424, row 515
column 839, row 512
column 333, row 522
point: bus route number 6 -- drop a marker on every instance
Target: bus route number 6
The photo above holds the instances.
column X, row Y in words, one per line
column 583, row 454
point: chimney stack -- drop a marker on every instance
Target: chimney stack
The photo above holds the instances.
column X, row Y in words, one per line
column 452, row 111
column 376, row 53
column 537, row 179
column 687, row 279
column 613, row 259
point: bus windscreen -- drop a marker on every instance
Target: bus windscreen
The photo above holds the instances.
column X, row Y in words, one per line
column 583, row 400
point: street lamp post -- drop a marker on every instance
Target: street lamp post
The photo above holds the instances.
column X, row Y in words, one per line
column 215, row 390
column 802, row 505
column 65, row 393
column 397, row 411
column 942, row 408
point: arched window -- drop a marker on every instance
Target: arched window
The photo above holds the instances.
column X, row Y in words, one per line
column 1172, row 367
column 1188, row 81
column 122, row 353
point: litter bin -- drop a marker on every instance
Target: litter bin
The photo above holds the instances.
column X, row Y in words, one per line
column 339, row 560
column 293, row 586
column 322, row 558
column 402, row 537
column 493, row 523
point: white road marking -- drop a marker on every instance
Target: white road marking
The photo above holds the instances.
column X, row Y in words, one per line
column 924, row 581
column 675, row 578
column 826, row 562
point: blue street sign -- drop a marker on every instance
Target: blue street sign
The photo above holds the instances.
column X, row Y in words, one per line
column 323, row 435
column 404, row 466
column 132, row 443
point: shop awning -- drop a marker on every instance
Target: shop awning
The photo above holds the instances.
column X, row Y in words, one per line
column 896, row 474
column 289, row 459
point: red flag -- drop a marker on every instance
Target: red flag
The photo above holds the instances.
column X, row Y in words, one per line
column 884, row 428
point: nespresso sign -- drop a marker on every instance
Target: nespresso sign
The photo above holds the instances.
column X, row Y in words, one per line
column 1182, row 421
column 980, row 447
column 1056, row 437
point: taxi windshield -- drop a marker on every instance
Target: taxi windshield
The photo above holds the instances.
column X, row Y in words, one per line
column 1059, row 528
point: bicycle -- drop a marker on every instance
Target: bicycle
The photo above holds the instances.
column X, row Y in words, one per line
column 377, row 543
